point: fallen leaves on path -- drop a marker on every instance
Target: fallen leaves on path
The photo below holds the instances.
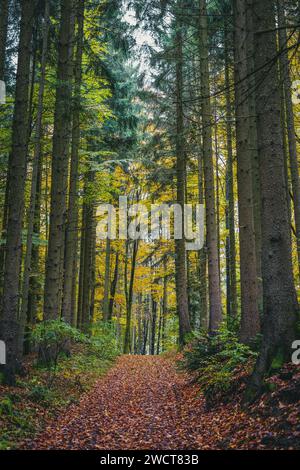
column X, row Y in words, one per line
column 144, row 403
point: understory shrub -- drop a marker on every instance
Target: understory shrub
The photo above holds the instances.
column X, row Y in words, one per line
column 55, row 338
column 103, row 340
column 215, row 359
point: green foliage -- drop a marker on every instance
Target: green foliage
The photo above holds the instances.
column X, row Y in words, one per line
column 52, row 332
column 40, row 394
column 103, row 342
column 216, row 360
column 54, row 339
column 6, row 406
column 54, row 336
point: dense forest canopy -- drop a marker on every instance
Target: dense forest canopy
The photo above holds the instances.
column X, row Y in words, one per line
column 187, row 102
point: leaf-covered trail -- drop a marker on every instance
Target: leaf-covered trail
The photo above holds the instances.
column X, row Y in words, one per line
column 144, row 403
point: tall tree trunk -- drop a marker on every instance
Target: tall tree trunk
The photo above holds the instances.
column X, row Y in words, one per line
column 17, row 175
column 60, row 164
column 290, row 121
column 202, row 259
column 180, row 260
column 256, row 197
column 34, row 293
column 284, row 141
column 215, row 309
column 71, row 236
column 217, row 157
column 113, row 288
column 164, row 307
column 159, row 330
column 3, row 35
column 81, row 264
column 4, row 16
column 250, row 321
column 107, row 280
column 129, row 298
column 280, row 301
column 87, row 260
column 145, row 335
column 230, row 222
column 153, row 325
column 93, row 269
column 34, row 181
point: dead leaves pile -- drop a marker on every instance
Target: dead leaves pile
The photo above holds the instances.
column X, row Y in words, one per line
column 144, row 403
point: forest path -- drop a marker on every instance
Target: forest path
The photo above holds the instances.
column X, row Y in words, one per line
column 145, row 403
column 137, row 405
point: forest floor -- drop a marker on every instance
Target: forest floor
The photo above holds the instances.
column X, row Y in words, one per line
column 144, row 402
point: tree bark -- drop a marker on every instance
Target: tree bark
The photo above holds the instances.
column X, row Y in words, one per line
column 250, row 321
column 202, row 259
column 3, row 35
column 280, row 301
column 180, row 250
column 230, row 222
column 60, row 164
column 215, row 309
column 72, row 214
column 153, row 325
column 113, row 288
column 290, row 121
column 17, row 176
column 129, row 297
column 81, row 266
column 87, row 260
column 107, row 281
column 34, row 181
column 254, row 152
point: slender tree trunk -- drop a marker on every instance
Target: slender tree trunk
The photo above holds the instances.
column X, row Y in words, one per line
column 290, row 121
column 3, row 35
column 230, row 222
column 215, row 308
column 217, row 162
column 107, row 280
column 4, row 226
column 284, row 141
column 153, row 326
column 256, row 196
column 88, row 260
column 72, row 215
column 17, row 175
column 280, row 301
column 202, row 260
column 129, row 297
column 250, row 321
column 164, row 307
column 88, row 271
column 34, row 181
column 81, row 266
column 145, row 336
column 139, row 324
column 93, row 269
column 180, row 260
column 34, row 293
column 113, row 288
column 158, row 345
column 60, row 164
